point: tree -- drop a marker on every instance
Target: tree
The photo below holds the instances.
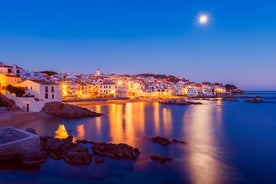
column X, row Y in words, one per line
column 230, row 87
column 49, row 73
column 18, row 91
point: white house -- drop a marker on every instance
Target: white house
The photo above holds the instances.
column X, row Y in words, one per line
column 10, row 70
column 38, row 93
column 107, row 88
column 191, row 91
column 121, row 92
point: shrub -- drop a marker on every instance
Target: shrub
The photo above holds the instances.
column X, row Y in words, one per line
column 18, row 91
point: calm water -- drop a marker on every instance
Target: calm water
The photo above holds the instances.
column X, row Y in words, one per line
column 227, row 142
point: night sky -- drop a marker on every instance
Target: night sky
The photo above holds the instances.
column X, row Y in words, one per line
column 237, row 45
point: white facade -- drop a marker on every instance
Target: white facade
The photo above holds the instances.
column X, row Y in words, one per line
column 191, row 91
column 10, row 70
column 207, row 90
column 42, row 90
column 37, row 94
column 121, row 92
column 107, row 88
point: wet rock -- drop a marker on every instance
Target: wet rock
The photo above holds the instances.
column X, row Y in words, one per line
column 98, row 160
column 160, row 159
column 85, row 142
column 117, row 151
column 77, row 157
column 161, row 140
column 178, row 141
column 257, row 99
column 136, row 150
column 34, row 159
column 67, row 111
column 66, row 149
column 178, row 102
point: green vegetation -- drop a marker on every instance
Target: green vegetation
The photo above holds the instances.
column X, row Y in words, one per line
column 169, row 78
column 18, row 91
column 230, row 87
column 49, row 73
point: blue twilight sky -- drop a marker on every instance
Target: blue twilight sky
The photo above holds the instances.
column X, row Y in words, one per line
column 237, row 46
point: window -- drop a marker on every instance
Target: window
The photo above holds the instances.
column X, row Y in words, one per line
column 9, row 70
column 52, row 89
column 46, row 96
column 53, row 96
column 46, row 89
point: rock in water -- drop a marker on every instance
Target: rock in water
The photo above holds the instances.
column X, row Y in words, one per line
column 65, row 149
column 160, row 159
column 161, row 140
column 117, row 151
column 67, row 111
column 99, row 160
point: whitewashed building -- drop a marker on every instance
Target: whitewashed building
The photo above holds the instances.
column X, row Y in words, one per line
column 13, row 70
column 191, row 91
column 37, row 94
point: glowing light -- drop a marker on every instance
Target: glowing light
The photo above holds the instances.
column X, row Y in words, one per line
column 61, row 132
column 203, row 19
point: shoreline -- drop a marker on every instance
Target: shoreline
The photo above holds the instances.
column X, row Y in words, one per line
column 19, row 119
column 85, row 102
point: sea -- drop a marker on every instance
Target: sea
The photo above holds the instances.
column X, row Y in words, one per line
column 226, row 141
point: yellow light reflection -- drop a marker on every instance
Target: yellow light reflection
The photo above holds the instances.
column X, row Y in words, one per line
column 116, row 122
column 141, row 115
column 61, row 132
column 81, row 131
column 219, row 111
column 98, row 120
column 167, row 118
column 203, row 165
column 156, row 112
column 129, row 128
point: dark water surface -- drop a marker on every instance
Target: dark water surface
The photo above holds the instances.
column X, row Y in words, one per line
column 226, row 142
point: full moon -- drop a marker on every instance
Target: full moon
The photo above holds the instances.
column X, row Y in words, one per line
column 203, row 19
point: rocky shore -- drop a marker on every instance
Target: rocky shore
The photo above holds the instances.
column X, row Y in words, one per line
column 178, row 102
column 8, row 104
column 67, row 111
column 65, row 149
column 77, row 153
column 257, row 99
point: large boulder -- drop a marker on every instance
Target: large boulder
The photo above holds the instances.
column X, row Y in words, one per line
column 65, row 149
column 178, row 102
column 67, row 111
column 161, row 159
column 161, row 140
column 116, row 151
column 9, row 104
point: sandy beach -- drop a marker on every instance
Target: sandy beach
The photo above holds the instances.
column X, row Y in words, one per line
column 20, row 119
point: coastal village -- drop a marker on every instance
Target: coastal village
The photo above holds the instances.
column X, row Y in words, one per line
column 31, row 90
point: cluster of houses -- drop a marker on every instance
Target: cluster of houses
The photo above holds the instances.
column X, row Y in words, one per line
column 41, row 88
